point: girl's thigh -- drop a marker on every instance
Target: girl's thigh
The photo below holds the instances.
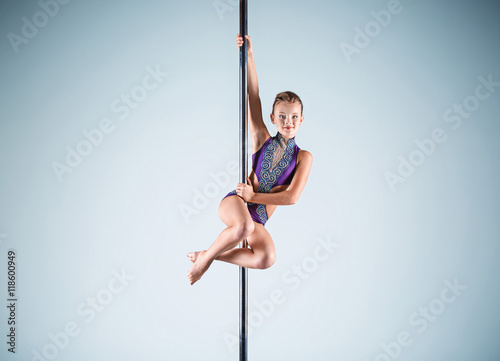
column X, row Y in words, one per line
column 233, row 210
column 261, row 241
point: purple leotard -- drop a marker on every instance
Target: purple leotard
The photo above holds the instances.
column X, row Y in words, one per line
column 274, row 164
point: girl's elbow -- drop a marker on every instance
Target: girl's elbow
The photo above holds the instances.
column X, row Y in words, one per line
column 293, row 199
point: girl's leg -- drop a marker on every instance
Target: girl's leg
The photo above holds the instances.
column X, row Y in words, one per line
column 261, row 256
column 234, row 213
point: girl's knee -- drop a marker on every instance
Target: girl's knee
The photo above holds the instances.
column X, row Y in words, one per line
column 244, row 229
column 266, row 260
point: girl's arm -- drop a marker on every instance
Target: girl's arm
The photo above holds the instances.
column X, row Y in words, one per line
column 258, row 129
column 291, row 194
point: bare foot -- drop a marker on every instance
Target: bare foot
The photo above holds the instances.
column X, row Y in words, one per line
column 193, row 256
column 199, row 267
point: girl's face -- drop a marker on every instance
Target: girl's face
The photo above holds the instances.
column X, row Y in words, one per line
column 287, row 118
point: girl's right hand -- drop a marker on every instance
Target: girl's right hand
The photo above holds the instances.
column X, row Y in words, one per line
column 239, row 42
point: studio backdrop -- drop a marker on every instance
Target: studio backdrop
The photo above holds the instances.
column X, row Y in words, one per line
column 119, row 137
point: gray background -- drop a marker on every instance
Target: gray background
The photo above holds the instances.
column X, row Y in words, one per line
column 147, row 191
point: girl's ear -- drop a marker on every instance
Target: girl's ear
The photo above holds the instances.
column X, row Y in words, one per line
column 272, row 118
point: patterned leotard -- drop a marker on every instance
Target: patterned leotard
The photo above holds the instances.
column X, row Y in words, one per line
column 274, row 165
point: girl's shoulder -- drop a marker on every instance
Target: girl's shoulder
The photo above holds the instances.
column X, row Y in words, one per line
column 304, row 155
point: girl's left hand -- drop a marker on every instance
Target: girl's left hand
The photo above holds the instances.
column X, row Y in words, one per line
column 245, row 191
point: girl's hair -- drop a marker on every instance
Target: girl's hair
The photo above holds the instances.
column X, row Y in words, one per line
column 289, row 97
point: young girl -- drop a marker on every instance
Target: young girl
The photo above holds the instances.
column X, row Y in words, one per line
column 279, row 173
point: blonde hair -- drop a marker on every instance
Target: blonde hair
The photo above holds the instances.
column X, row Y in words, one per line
column 289, row 97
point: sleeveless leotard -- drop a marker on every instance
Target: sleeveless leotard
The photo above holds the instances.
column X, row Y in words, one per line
column 274, row 165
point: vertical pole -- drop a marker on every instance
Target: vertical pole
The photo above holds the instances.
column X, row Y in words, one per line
column 243, row 174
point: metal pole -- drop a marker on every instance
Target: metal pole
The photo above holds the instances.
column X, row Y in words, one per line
column 243, row 174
